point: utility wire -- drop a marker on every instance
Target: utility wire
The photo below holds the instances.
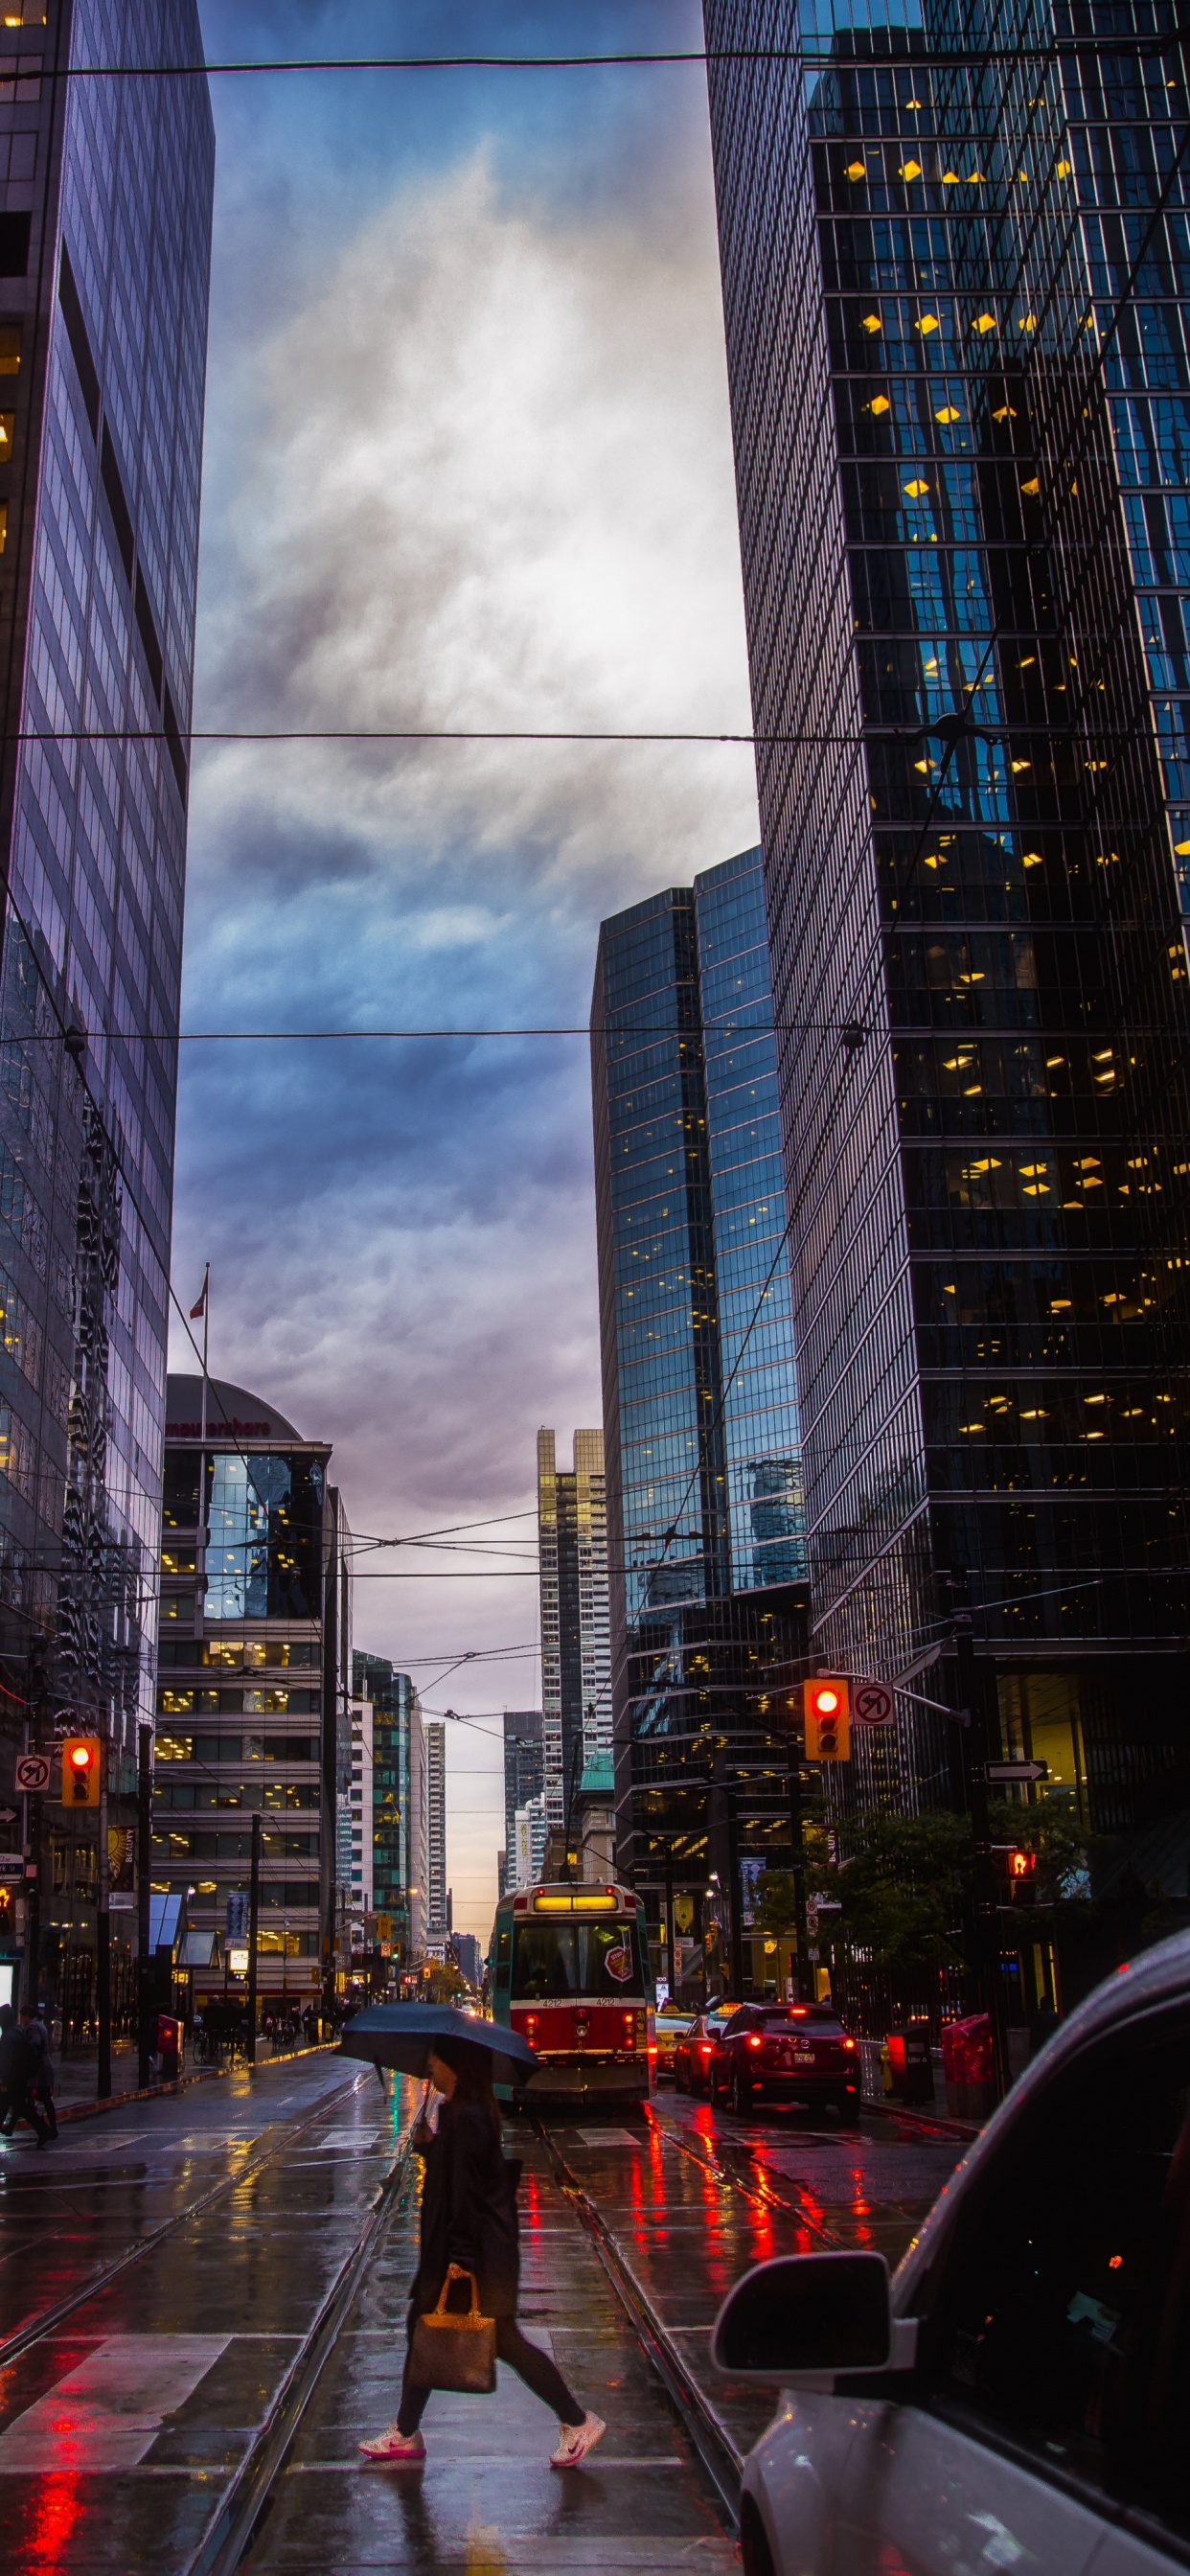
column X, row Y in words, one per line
column 1058, row 49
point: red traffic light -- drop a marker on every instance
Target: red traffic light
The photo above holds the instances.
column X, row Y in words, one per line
column 82, row 1767
column 1022, row 1864
column 80, row 1755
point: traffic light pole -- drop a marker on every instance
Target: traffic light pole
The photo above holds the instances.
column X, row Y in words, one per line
column 103, row 1947
column 976, row 1751
column 802, row 1973
column 253, row 1924
column 144, row 1963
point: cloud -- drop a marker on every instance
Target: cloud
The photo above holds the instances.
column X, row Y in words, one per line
column 475, row 473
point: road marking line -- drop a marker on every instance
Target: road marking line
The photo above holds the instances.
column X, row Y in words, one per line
column 108, row 2412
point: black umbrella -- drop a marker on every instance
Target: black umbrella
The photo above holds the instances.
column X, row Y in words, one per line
column 402, row 2035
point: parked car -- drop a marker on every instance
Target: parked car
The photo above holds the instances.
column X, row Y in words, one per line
column 671, row 2027
column 1017, row 2395
column 786, row 2053
column 694, row 2051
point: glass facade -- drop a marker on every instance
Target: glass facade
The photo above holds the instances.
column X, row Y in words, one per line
column 705, row 1517
column 252, row 1708
column 105, row 226
column 524, row 1778
column 955, row 274
column 572, row 1570
column 386, row 1783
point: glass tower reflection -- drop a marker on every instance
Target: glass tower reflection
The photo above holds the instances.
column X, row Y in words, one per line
column 954, row 265
column 705, row 1521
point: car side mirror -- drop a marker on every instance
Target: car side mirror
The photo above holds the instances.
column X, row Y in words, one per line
column 807, row 2317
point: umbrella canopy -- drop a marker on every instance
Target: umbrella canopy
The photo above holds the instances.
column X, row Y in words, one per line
column 402, row 2035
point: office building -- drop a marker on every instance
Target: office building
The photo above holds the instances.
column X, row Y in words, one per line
column 575, row 1636
column 469, row 1957
column 524, row 1776
column 253, row 1692
column 437, row 1923
column 955, row 301
column 105, row 229
column 386, row 1709
column 528, row 1842
column 704, row 1505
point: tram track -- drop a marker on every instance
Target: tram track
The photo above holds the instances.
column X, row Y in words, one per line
column 46, row 2320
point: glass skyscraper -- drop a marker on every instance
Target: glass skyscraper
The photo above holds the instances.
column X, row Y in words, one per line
column 954, row 255
column 572, row 1574
column 105, row 227
column 705, row 1520
column 383, row 1854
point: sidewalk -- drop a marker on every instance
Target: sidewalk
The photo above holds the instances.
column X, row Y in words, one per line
column 75, row 2077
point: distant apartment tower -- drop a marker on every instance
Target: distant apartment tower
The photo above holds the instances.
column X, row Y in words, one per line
column 527, row 1863
column 387, row 1712
column 437, row 1911
column 575, row 1628
column 704, row 1493
column 105, row 232
column 524, row 1778
column 254, row 1665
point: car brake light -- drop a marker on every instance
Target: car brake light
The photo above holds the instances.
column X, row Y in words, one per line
column 753, row 2039
column 797, row 2012
column 704, row 2049
column 630, row 2026
column 849, row 2043
column 531, row 2029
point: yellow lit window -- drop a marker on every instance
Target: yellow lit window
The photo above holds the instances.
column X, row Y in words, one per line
column 948, row 412
column 880, row 404
column 1027, row 322
column 1065, row 169
column 1021, row 764
column 950, row 178
column 916, row 489
column 929, row 322
column 983, row 323
column 1031, row 858
column 910, row 169
column 1033, row 487
column 857, row 170
column 1005, row 412
column 872, row 322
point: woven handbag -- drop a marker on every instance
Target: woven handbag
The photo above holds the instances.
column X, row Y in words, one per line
column 452, row 2349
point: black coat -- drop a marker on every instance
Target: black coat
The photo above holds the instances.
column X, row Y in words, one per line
column 468, row 2209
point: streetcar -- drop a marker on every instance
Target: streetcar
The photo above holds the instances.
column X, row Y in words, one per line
column 569, row 1969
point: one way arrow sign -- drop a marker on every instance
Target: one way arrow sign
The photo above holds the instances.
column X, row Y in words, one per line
column 996, row 1771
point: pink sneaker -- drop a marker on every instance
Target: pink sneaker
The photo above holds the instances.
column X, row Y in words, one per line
column 401, row 2450
column 576, row 2441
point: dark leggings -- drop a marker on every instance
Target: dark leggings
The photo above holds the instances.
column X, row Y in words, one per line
column 527, row 2359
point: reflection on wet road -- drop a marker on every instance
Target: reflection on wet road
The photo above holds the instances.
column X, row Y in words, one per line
column 124, row 2425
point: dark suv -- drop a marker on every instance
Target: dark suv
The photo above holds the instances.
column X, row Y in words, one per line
column 786, row 2053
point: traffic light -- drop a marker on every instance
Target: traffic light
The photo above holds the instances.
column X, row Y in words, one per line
column 826, row 1704
column 82, row 1770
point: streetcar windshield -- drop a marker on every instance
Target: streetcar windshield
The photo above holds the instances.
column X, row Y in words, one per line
column 553, row 1960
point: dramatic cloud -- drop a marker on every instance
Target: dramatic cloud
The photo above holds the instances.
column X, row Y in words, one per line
column 472, row 470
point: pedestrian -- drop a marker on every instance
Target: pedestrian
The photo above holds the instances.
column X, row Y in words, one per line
column 41, row 2064
column 16, row 2066
column 468, row 2217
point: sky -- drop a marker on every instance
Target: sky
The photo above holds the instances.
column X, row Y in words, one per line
column 467, row 465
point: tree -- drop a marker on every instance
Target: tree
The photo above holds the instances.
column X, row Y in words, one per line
column 901, row 1884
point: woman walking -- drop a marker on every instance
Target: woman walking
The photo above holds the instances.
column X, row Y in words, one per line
column 468, row 2217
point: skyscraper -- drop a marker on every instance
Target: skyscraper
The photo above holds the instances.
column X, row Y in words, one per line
column 705, row 1529
column 105, row 231
column 524, row 1775
column 575, row 1639
column 254, row 1662
column 437, row 1922
column 953, row 266
column 384, row 1873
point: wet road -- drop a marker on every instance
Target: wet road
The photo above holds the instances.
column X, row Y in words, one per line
column 125, row 2425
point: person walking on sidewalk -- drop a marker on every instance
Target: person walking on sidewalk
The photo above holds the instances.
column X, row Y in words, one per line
column 469, row 2217
column 16, row 2069
column 41, row 2064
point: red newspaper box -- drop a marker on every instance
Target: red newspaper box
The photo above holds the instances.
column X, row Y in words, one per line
column 967, row 2067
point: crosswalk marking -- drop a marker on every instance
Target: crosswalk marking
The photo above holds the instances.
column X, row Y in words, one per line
column 107, row 2413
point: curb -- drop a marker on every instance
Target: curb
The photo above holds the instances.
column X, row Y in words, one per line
column 181, row 2083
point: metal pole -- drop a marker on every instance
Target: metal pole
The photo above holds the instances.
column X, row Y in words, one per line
column 669, row 1917
column 253, row 1928
column 103, row 1948
column 976, row 1750
column 733, row 1893
column 803, row 1978
column 144, row 1964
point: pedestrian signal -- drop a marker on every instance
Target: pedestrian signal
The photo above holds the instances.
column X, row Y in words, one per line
column 82, row 1770
column 826, row 1705
column 1020, row 1865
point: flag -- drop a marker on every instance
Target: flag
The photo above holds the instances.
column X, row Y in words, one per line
column 200, row 1309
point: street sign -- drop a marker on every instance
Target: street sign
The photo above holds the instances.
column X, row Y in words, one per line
column 873, row 1704
column 33, row 1773
column 121, row 1900
column 236, row 1920
column 994, row 1771
column 12, row 1869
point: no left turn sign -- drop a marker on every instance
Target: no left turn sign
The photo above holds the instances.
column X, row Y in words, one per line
column 33, row 1773
column 872, row 1703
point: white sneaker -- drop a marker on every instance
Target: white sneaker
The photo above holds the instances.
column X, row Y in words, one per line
column 403, row 2450
column 576, row 2441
